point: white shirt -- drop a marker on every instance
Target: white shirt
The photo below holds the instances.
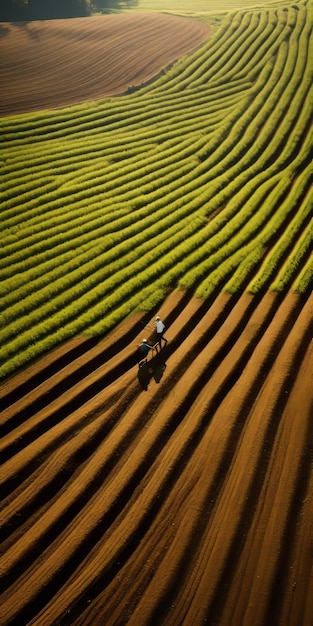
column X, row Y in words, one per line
column 159, row 326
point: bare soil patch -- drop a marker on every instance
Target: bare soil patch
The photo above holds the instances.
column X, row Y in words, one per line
column 180, row 497
column 54, row 63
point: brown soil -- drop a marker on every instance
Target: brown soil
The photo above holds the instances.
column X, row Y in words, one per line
column 175, row 494
column 179, row 493
column 57, row 63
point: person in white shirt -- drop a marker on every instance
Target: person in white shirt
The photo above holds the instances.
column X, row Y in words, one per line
column 160, row 328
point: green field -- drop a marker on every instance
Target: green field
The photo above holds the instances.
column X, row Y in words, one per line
column 199, row 180
column 196, row 7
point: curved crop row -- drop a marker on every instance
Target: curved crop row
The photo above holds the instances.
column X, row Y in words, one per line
column 199, row 179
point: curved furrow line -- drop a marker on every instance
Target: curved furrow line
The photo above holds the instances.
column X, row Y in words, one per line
column 35, row 416
column 63, row 451
column 32, row 389
column 58, row 508
column 203, row 584
column 294, row 569
column 181, row 78
column 183, row 347
column 278, row 441
column 14, row 387
column 169, row 599
column 121, row 115
column 198, row 423
column 106, row 295
column 214, row 52
column 207, row 460
column 61, row 403
column 23, row 382
column 190, row 424
column 81, row 464
column 227, row 423
column 90, row 75
column 179, row 492
column 106, row 183
column 287, row 234
column 256, row 37
column 21, row 464
column 295, row 537
column 133, row 413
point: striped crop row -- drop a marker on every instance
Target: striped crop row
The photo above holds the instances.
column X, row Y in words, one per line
column 200, row 179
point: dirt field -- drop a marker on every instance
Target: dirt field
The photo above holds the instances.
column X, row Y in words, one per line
column 61, row 62
column 178, row 493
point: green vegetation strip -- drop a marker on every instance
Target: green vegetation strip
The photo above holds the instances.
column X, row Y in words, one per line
column 201, row 179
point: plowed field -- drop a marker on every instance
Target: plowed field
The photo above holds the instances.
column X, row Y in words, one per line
column 51, row 64
column 177, row 493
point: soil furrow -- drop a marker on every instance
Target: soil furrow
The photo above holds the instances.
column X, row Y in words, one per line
column 164, row 487
column 246, row 305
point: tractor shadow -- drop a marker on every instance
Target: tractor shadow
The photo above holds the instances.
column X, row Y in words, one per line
column 152, row 369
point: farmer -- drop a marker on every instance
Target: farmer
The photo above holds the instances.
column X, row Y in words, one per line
column 160, row 328
column 143, row 351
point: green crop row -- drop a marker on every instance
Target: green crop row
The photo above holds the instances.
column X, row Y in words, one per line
column 100, row 294
column 224, row 53
column 234, row 233
column 75, row 198
column 120, row 181
column 226, row 67
column 104, row 238
column 181, row 74
column 105, row 250
column 231, row 225
column 200, row 179
column 247, row 246
column 148, row 115
column 99, row 134
column 244, row 267
column 304, row 280
column 295, row 257
column 69, row 228
column 291, row 232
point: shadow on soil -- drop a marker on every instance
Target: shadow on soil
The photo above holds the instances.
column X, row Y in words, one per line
column 152, row 369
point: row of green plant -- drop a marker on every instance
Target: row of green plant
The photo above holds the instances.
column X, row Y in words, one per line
column 246, row 48
column 74, row 225
column 68, row 116
column 147, row 109
column 50, row 198
column 95, row 124
column 215, row 242
column 209, row 68
column 304, row 281
column 109, row 246
column 292, row 231
column 255, row 236
column 94, row 297
column 104, row 181
column 112, row 153
column 291, row 266
column 201, row 179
